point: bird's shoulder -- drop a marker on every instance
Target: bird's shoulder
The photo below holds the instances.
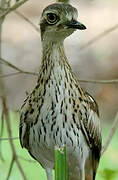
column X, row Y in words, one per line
column 30, row 107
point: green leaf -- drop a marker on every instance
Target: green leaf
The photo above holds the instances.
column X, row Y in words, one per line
column 60, row 164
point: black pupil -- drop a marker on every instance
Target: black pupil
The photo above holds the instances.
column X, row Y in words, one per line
column 51, row 17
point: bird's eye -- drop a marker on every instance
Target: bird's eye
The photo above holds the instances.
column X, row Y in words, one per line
column 52, row 18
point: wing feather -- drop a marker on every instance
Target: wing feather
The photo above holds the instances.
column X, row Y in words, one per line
column 90, row 126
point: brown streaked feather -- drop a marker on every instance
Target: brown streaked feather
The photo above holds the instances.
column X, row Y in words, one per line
column 92, row 132
column 25, row 141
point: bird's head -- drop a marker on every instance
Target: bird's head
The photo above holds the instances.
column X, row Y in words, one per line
column 58, row 21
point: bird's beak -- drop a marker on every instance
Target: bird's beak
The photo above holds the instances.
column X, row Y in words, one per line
column 75, row 25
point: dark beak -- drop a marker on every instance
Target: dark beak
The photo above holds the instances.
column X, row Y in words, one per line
column 75, row 25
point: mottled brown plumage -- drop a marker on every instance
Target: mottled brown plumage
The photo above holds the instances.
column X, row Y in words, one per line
column 58, row 111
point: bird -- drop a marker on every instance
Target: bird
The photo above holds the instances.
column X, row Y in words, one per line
column 58, row 111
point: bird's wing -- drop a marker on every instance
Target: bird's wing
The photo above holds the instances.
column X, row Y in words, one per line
column 90, row 125
column 24, row 127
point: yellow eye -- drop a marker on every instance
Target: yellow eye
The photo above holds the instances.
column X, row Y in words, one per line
column 52, row 18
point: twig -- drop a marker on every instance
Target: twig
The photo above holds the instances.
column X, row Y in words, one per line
column 15, row 6
column 1, row 134
column 2, row 124
column 112, row 132
column 7, row 139
column 20, row 168
column 98, row 37
column 27, row 20
column 10, row 169
column 9, row 75
column 111, row 81
column 6, row 114
column 17, row 73
column 5, row 62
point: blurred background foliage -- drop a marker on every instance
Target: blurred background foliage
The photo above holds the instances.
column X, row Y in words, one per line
column 21, row 45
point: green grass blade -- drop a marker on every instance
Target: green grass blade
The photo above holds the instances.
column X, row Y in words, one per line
column 60, row 163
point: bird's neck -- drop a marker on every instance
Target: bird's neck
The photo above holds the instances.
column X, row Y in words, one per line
column 53, row 59
column 53, row 54
column 55, row 68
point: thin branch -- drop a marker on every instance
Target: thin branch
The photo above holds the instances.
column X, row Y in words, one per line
column 2, row 124
column 10, row 169
column 5, row 62
column 7, row 118
column 15, row 6
column 112, row 132
column 28, row 21
column 9, row 75
column 1, row 134
column 111, row 81
column 20, row 168
column 17, row 73
column 8, row 138
column 98, row 37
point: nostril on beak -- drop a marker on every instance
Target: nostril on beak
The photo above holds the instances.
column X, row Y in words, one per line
column 75, row 25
